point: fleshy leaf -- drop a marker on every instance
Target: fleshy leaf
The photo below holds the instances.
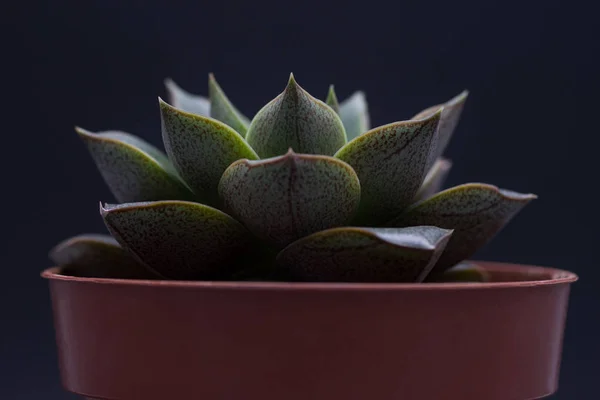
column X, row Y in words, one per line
column 476, row 212
column 354, row 112
column 185, row 100
column 201, row 149
column 391, row 162
column 434, row 180
column 284, row 198
column 463, row 272
column 223, row 110
column 178, row 239
column 351, row 254
column 450, row 117
column 97, row 256
column 133, row 169
column 332, row 100
column 296, row 120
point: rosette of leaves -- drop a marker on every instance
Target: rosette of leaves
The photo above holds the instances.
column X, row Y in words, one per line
column 305, row 190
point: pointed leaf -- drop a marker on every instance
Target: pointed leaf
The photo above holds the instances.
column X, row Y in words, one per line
column 354, row 112
column 350, row 254
column 178, row 239
column 476, row 212
column 284, row 198
column 450, row 117
column 201, row 149
column 222, row 109
column 97, row 256
column 332, row 100
column 391, row 162
column 463, row 272
column 296, row 120
column 434, row 180
column 187, row 101
column 133, row 169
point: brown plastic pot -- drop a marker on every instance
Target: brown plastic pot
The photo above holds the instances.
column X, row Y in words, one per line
column 165, row 340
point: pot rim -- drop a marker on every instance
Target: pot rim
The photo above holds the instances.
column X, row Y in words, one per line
column 532, row 275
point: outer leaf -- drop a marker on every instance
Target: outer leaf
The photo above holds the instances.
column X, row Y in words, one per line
column 434, row 180
column 201, row 148
column 296, row 120
column 187, row 101
column 391, row 162
column 178, row 239
column 133, row 169
column 284, row 198
column 222, row 109
column 332, row 100
column 463, row 272
column 351, row 254
column 450, row 117
column 97, row 256
column 476, row 212
column 354, row 112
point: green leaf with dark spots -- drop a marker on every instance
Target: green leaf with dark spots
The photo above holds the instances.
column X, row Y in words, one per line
column 351, row 254
column 354, row 112
column 391, row 162
column 450, row 117
column 285, row 198
column 434, row 180
column 97, row 256
column 201, row 149
column 476, row 212
column 185, row 100
column 178, row 239
column 332, row 100
column 296, row 120
column 463, row 272
column 223, row 110
column 133, row 169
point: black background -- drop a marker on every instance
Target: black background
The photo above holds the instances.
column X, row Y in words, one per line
column 529, row 123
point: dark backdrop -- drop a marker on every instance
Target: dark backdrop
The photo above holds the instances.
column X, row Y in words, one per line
column 529, row 123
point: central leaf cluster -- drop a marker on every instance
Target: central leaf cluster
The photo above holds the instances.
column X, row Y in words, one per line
column 304, row 190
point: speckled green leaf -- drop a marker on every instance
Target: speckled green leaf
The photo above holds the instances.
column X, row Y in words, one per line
column 133, row 169
column 434, row 180
column 97, row 256
column 332, row 100
column 201, row 149
column 296, row 120
column 391, row 162
column 351, row 254
column 185, row 100
column 284, row 198
column 450, row 118
column 178, row 239
column 222, row 109
column 354, row 112
column 463, row 272
column 476, row 212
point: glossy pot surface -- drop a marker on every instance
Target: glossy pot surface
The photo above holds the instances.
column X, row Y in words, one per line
column 158, row 340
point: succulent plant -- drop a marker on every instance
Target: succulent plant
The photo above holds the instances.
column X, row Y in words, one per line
column 305, row 190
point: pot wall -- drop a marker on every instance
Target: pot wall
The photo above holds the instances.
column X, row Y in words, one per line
column 129, row 340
